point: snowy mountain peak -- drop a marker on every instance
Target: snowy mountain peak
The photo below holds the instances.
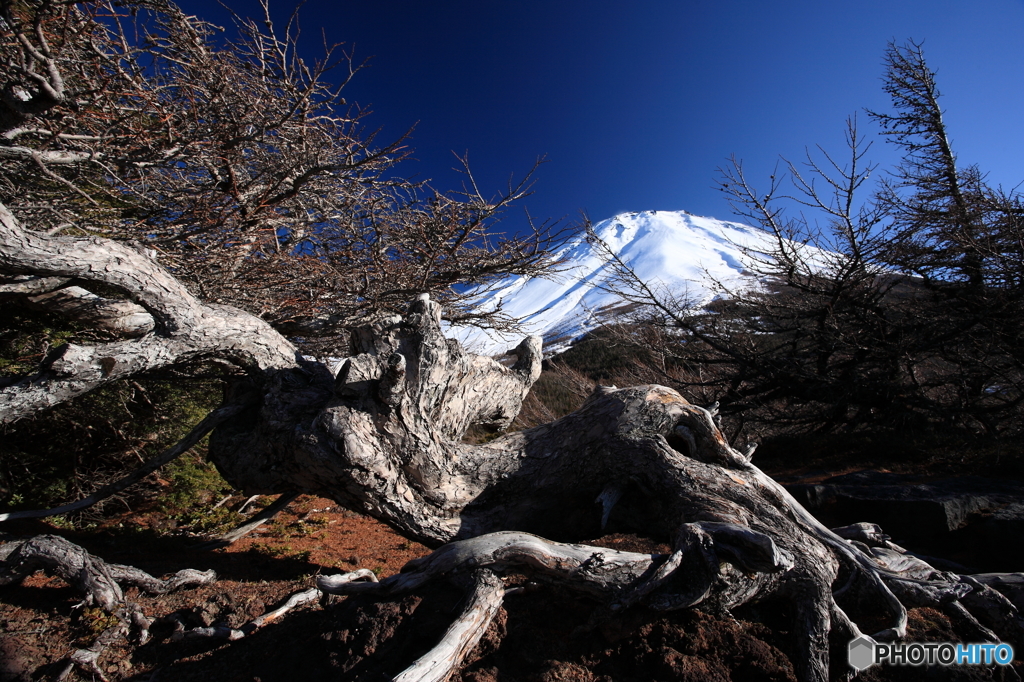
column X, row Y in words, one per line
column 671, row 251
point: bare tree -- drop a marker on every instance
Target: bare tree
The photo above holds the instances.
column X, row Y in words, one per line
column 825, row 342
column 384, row 433
column 237, row 161
column 936, row 206
column 818, row 344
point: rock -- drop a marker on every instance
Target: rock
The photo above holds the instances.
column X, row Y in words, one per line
column 1011, row 585
column 999, row 530
column 968, row 516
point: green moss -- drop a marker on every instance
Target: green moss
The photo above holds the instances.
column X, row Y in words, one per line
column 26, row 337
column 284, row 551
column 194, row 482
column 75, row 448
column 194, row 491
column 92, row 622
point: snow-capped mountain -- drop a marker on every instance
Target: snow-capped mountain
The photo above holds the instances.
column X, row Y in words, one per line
column 672, row 251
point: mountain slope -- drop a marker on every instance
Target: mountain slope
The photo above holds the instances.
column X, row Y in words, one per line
column 672, row 251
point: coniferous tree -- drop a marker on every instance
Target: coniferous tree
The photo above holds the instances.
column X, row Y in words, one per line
column 962, row 239
column 888, row 308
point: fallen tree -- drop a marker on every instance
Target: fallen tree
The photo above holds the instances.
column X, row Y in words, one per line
column 384, row 436
column 87, row 154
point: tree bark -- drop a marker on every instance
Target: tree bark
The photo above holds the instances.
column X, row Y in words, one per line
column 99, row 581
column 384, row 436
column 118, row 316
column 185, row 328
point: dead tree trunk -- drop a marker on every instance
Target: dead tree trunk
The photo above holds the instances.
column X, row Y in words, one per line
column 384, row 436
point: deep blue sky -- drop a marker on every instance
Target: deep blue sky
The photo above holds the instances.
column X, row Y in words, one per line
column 635, row 104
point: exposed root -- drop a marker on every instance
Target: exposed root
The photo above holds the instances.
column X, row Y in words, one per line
column 247, row 503
column 842, row 632
column 332, row 584
column 620, row 579
column 993, row 610
column 87, row 659
column 597, row 570
column 99, row 581
column 384, row 436
column 101, row 584
column 295, row 600
column 715, row 565
column 1010, row 585
column 233, row 536
column 463, row 635
column 232, row 634
column 965, row 622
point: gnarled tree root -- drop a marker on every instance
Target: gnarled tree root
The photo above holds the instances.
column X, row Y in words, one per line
column 384, row 436
column 714, row 565
column 99, row 581
column 620, row 579
column 295, row 600
column 463, row 635
column 101, row 584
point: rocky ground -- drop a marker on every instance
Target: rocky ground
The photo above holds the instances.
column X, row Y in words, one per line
column 539, row 635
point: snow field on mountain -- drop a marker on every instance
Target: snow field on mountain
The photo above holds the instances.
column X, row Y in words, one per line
column 672, row 251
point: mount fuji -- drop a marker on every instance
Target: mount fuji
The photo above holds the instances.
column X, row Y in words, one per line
column 671, row 251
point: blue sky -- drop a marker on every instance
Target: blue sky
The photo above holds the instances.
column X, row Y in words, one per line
column 635, row 104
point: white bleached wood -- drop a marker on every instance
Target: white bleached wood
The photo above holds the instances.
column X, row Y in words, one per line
column 384, row 437
column 99, row 581
column 295, row 600
column 113, row 315
column 185, row 328
column 462, row 636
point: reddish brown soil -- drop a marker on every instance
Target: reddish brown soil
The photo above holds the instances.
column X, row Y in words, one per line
column 541, row 635
column 39, row 626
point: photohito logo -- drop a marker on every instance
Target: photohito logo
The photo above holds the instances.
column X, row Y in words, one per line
column 865, row 652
